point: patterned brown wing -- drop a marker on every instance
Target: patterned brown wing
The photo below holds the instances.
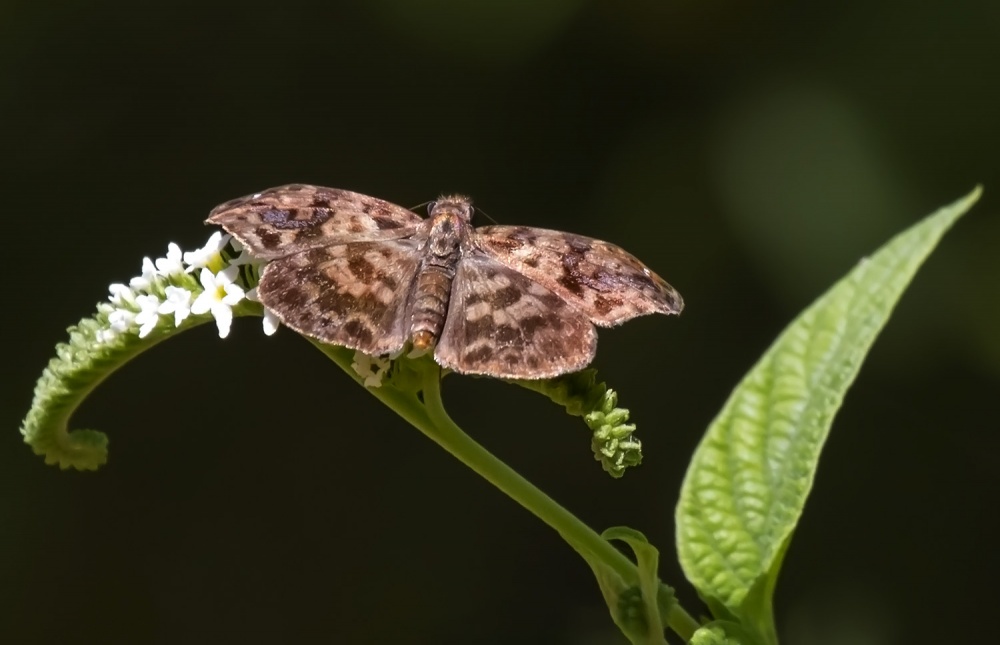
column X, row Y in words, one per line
column 354, row 295
column 293, row 218
column 503, row 324
column 602, row 280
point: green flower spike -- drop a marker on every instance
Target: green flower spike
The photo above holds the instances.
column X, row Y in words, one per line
column 163, row 300
column 582, row 396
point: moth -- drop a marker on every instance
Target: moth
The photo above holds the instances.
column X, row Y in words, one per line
column 504, row 301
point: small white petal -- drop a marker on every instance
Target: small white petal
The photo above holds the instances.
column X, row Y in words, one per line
column 223, row 319
column 221, row 292
column 227, row 275
column 234, row 294
column 172, row 264
column 363, row 364
column 246, row 257
column 121, row 295
column 178, row 303
column 271, row 322
column 121, row 319
column 208, row 256
column 207, row 279
column 148, row 316
column 202, row 304
column 145, row 281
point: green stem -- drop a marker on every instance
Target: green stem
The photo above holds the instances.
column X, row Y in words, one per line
column 431, row 418
column 447, row 434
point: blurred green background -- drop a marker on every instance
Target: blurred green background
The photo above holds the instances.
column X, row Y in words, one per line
column 750, row 152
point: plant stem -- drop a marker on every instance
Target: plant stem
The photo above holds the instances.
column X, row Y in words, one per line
column 432, row 419
column 447, row 434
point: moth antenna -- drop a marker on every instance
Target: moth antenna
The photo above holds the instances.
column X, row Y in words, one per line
column 476, row 209
column 422, row 205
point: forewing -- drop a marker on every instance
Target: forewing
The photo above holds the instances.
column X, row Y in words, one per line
column 290, row 219
column 602, row 280
column 354, row 295
column 502, row 324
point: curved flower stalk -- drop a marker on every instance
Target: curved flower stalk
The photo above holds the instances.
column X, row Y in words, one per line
column 171, row 294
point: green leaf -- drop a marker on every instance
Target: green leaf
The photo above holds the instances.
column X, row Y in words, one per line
column 750, row 477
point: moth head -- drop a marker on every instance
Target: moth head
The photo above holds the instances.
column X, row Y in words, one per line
column 454, row 205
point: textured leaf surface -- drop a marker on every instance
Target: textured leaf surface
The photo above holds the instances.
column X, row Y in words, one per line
column 749, row 479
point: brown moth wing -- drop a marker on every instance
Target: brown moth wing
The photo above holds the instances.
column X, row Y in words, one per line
column 602, row 280
column 355, row 295
column 503, row 324
column 288, row 219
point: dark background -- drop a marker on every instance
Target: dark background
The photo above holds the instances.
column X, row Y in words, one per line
column 750, row 152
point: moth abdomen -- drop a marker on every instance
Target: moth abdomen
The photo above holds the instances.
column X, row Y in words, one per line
column 431, row 296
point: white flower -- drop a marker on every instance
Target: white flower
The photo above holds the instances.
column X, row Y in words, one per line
column 148, row 314
column 172, row 264
column 177, row 302
column 221, row 293
column 145, row 281
column 121, row 295
column 271, row 321
column 120, row 320
column 363, row 364
column 208, row 256
column 106, row 335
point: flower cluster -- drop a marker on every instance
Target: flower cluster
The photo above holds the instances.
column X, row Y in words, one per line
column 167, row 291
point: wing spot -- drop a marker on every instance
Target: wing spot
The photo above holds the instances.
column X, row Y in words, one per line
column 572, row 282
column 268, row 239
column 290, row 298
column 357, row 330
column 505, row 297
column 605, row 304
column 481, row 354
column 506, row 244
column 362, row 269
column 507, row 335
column 532, row 324
column 288, row 219
column 385, row 222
